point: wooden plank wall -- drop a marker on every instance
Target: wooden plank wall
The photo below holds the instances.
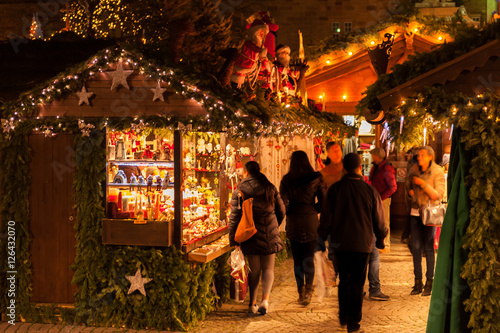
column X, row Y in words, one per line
column 123, row 102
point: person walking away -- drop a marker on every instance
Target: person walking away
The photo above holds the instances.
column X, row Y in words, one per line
column 383, row 178
column 332, row 173
column 302, row 191
column 268, row 213
column 426, row 186
column 352, row 214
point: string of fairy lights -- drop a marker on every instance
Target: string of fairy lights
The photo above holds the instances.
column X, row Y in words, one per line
column 419, row 117
column 220, row 116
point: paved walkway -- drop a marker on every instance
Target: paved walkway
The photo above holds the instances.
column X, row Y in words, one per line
column 403, row 313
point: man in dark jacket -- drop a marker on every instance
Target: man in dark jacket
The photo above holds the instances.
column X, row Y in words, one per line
column 353, row 212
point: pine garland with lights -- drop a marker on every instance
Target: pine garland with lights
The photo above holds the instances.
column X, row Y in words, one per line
column 425, row 26
column 255, row 118
column 466, row 40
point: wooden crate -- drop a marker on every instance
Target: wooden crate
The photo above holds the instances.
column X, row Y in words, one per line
column 125, row 232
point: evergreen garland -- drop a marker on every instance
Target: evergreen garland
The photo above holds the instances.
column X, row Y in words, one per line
column 15, row 166
column 226, row 110
column 466, row 40
column 481, row 131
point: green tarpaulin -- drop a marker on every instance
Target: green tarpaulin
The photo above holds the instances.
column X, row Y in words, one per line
column 447, row 311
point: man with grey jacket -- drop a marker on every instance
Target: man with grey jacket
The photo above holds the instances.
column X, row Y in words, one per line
column 353, row 212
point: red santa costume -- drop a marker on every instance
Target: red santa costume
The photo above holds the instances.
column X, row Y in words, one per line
column 253, row 50
column 283, row 64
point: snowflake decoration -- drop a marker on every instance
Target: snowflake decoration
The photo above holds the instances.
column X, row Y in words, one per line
column 48, row 131
column 85, row 128
column 138, row 128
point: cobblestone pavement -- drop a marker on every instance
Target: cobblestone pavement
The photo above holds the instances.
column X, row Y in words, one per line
column 402, row 314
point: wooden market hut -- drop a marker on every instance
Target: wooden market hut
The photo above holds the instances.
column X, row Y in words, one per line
column 55, row 111
column 458, row 85
column 339, row 79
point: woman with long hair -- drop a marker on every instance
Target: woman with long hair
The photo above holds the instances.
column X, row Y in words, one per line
column 303, row 192
column 268, row 213
column 425, row 183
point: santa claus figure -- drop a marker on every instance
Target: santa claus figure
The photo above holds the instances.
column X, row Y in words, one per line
column 148, row 154
column 269, row 43
column 252, row 52
column 285, row 73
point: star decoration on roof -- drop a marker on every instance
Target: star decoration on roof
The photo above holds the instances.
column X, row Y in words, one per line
column 119, row 76
column 137, row 282
column 158, row 91
column 84, row 96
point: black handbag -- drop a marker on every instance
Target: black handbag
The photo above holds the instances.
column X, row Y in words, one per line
column 433, row 216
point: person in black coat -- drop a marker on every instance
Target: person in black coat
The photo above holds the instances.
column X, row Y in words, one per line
column 268, row 213
column 353, row 213
column 303, row 192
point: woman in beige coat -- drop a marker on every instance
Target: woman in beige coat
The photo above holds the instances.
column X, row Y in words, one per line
column 426, row 184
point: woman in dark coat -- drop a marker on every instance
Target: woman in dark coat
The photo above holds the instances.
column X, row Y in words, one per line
column 268, row 213
column 303, row 192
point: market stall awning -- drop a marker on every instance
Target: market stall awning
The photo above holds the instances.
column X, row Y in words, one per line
column 472, row 73
column 341, row 77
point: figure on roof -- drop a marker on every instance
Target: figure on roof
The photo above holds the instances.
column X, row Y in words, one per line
column 269, row 42
column 252, row 55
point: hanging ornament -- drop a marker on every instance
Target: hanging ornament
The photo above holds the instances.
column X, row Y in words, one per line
column 184, row 128
column 425, row 135
column 8, row 125
column 385, row 132
column 158, row 91
column 84, row 96
column 85, row 128
column 451, row 131
column 138, row 128
column 137, row 282
column 119, row 76
column 48, row 131
column 401, row 125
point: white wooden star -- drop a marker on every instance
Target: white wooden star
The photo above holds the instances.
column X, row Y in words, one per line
column 84, row 96
column 119, row 76
column 158, row 91
column 137, row 282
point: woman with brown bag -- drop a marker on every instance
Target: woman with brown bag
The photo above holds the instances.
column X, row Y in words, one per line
column 260, row 250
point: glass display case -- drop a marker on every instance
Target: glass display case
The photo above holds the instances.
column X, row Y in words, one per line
column 163, row 188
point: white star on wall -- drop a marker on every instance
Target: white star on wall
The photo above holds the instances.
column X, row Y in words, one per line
column 119, row 76
column 158, row 91
column 137, row 282
column 84, row 96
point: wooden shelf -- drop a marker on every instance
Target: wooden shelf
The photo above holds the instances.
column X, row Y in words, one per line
column 206, row 257
column 126, row 232
column 191, row 245
column 138, row 185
